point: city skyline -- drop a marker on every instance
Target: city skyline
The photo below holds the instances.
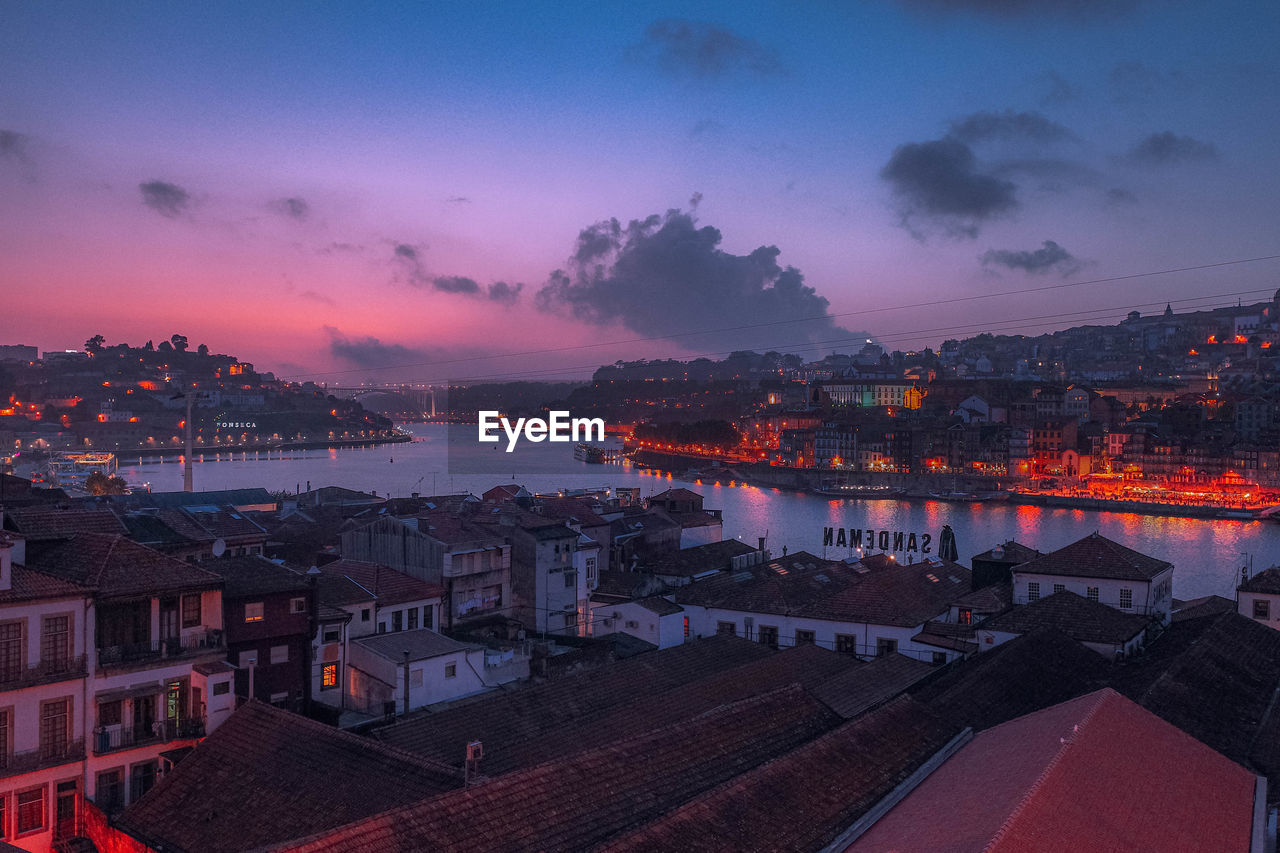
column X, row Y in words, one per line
column 329, row 191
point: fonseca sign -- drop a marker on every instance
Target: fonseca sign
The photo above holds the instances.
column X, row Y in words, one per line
column 558, row 426
column 879, row 540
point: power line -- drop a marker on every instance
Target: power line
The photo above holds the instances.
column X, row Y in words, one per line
column 818, row 318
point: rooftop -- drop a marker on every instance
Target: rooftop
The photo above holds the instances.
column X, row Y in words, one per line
column 38, row 523
column 1079, row 618
column 255, row 575
column 1009, row 552
column 117, row 566
column 1267, row 582
column 688, row 562
column 421, row 643
column 868, row 685
column 388, row 585
column 1096, row 556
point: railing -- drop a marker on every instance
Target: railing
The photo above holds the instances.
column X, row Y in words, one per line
column 169, row 648
column 50, row 755
column 43, row 672
column 163, row 731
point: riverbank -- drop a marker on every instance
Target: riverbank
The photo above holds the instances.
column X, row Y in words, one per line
column 177, row 452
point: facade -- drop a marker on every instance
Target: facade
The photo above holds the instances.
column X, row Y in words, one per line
column 549, row 593
column 656, row 619
column 111, row 656
column 1258, row 598
column 414, row 669
column 1098, row 569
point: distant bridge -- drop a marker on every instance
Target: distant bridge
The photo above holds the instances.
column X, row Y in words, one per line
column 420, row 399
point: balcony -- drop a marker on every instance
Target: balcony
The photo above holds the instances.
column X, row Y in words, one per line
column 43, row 672
column 173, row 648
column 17, row 763
column 116, row 738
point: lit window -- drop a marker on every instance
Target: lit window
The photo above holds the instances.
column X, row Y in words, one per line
column 329, row 676
column 253, row 611
column 31, row 810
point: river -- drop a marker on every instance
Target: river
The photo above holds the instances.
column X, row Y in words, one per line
column 1207, row 554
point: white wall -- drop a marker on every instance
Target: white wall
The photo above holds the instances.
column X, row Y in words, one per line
column 1151, row 597
column 1245, row 605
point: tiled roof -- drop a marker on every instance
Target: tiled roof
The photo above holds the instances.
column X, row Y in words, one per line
column 860, row 688
column 1096, row 556
column 659, row 605
column 152, row 531
column 1215, row 678
column 421, row 643
column 1077, row 617
column 267, row 775
column 255, row 575
column 30, row 585
column 38, row 523
column 454, row 530
column 184, row 525
column 803, row 585
column 1009, row 552
column 575, row 509
column 993, row 598
column 939, row 640
column 1023, row 675
column 687, row 562
column 220, row 497
column 677, row 494
column 389, row 585
column 1095, row 773
column 118, row 566
column 1205, row 605
column 578, row 802
column 1267, row 582
column 505, row 720
column 341, row 591
column 805, row 799
column 227, row 523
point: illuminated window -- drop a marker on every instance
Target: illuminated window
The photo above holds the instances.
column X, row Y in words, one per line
column 329, row 676
column 965, row 616
column 31, row 810
column 253, row 611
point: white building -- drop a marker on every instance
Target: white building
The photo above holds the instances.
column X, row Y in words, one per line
column 415, row 669
column 1259, row 598
column 1098, row 569
column 654, row 619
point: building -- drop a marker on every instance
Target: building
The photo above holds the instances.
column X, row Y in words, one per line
column 1108, row 631
column 112, row 662
column 654, row 619
column 1100, row 570
column 698, row 526
column 549, row 593
column 413, row 669
column 1259, row 598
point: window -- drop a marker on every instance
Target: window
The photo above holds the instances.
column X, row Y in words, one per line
column 965, row 616
column 451, row 670
column 570, row 579
column 804, row 637
column 1126, row 599
column 13, row 647
column 1059, row 587
column 1091, row 593
column 769, row 635
column 190, row 611
column 31, row 810
column 221, row 688
column 329, row 676
column 427, row 613
column 1033, row 591
column 591, row 569
column 279, row 654
column 55, row 642
column 253, row 611
column 109, row 713
column 729, row 628
column 1261, row 608
column 142, row 778
column 847, row 644
column 939, row 658
column 886, row 645
column 364, row 615
column 332, row 634
column 411, row 618
column 109, row 792
column 4, row 816
column 397, row 620
column 55, row 727
column 298, row 605
column 686, row 626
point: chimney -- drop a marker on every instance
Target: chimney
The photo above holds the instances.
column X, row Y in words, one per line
column 6, row 563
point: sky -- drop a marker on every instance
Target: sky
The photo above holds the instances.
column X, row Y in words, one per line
column 448, row 191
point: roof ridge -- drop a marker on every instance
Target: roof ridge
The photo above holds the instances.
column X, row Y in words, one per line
column 1102, row 696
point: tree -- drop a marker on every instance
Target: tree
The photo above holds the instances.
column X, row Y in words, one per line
column 179, row 342
column 93, row 346
column 203, row 349
column 165, row 346
column 99, row 483
column 149, row 346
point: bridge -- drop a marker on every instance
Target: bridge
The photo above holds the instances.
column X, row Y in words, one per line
column 415, row 397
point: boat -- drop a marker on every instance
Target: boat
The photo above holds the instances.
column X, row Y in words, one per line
column 589, row 453
column 970, row 497
column 861, row 492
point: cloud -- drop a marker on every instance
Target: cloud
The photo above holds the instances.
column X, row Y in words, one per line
column 505, row 294
column 294, row 208
column 1058, row 89
column 695, row 49
column 666, row 275
column 1119, row 195
column 941, row 181
column 1049, row 257
column 1031, row 126
column 1135, row 82
column 457, row 199
column 14, row 145
column 369, row 351
column 164, row 198
column 1082, row 10
column 1165, row 148
column 455, row 284
column 313, row 296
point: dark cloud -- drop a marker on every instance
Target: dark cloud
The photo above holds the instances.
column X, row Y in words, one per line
column 455, row 284
column 665, row 275
column 294, row 208
column 1136, row 82
column 1083, row 10
column 313, row 296
column 505, row 294
column 940, row 181
column 14, row 145
column 404, row 250
column 164, row 198
column 336, row 248
column 1049, row 257
column 457, row 199
column 1058, row 89
column 1164, row 148
column 1119, row 195
column 368, row 351
column 1032, row 127
column 696, row 49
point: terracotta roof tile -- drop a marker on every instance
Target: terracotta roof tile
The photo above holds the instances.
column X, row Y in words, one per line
column 389, row 585
column 1265, row 582
column 38, row 523
column 1070, row 614
column 861, row 688
column 1096, row 556
column 118, row 566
